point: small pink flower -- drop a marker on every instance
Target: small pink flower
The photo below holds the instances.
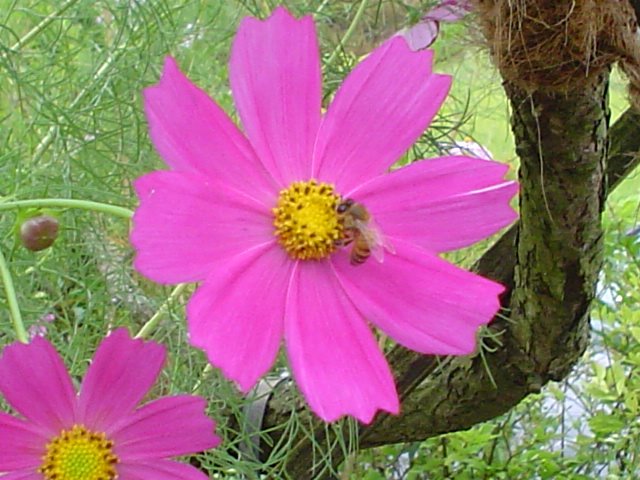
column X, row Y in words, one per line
column 424, row 33
column 40, row 328
column 254, row 216
column 37, row 331
column 99, row 433
column 47, row 318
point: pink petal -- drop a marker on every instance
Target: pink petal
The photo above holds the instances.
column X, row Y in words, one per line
column 449, row 11
column 22, row 475
column 121, row 373
column 186, row 223
column 236, row 316
column 167, row 427
column 441, row 204
column 467, row 148
column 419, row 300
column 21, row 444
column 421, row 35
column 191, row 132
column 378, row 113
column 333, row 354
column 35, row 382
column 276, row 82
column 159, row 470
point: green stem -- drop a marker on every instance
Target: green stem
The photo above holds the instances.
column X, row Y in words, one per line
column 348, row 33
column 51, row 134
column 12, row 300
column 31, row 34
column 67, row 203
column 151, row 324
column 203, row 376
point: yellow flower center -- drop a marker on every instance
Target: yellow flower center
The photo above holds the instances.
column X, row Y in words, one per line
column 79, row 454
column 306, row 221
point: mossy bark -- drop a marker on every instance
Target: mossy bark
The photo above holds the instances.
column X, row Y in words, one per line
column 562, row 143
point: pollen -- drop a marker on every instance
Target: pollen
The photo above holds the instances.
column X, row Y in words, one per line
column 79, row 454
column 307, row 224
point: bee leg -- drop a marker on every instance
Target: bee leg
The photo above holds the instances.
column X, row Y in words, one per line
column 343, row 242
column 349, row 235
column 356, row 260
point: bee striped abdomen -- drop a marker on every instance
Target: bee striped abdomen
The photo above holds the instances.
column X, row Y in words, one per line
column 358, row 230
column 360, row 251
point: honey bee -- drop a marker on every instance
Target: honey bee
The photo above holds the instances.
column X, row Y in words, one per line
column 360, row 229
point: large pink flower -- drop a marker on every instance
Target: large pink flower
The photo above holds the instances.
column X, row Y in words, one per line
column 99, row 433
column 254, row 216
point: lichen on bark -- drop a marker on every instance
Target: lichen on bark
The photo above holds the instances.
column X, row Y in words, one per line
column 562, row 143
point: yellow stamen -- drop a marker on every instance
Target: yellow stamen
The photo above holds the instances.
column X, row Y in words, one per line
column 306, row 221
column 79, row 454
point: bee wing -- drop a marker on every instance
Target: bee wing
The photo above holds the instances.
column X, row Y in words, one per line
column 380, row 238
column 374, row 238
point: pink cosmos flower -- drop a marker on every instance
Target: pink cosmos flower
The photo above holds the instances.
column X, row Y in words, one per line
column 98, row 434
column 253, row 216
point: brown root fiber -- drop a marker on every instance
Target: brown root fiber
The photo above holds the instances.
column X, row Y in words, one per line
column 559, row 45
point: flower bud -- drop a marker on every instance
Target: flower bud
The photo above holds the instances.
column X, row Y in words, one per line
column 38, row 233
